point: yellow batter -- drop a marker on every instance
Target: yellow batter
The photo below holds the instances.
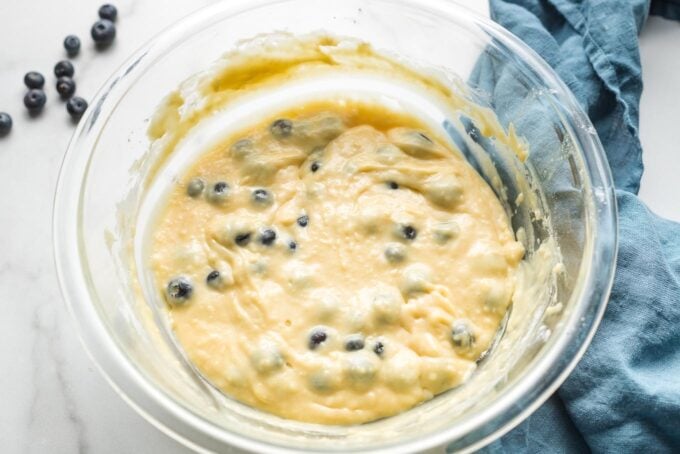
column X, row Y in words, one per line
column 334, row 264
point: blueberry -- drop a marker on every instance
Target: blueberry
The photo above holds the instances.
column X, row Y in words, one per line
column 108, row 11
column 195, row 187
column 242, row 148
column 179, row 290
column 64, row 69
column 281, row 128
column 103, row 32
column 315, row 166
column 214, row 279
column 34, row 79
column 303, row 220
column 267, row 237
column 354, row 342
column 5, row 123
column 218, row 192
column 242, row 239
column 76, row 107
column 424, row 137
column 393, row 185
column 292, row 245
column 66, row 87
column 262, row 197
column 378, row 348
column 35, row 100
column 409, row 232
column 461, row 334
column 72, row 45
column 395, row 252
column 317, row 337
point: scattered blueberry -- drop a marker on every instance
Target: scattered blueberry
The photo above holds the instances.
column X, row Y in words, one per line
column 378, row 348
column 66, row 87
column 179, row 290
column 316, row 337
column 5, row 123
column 461, row 335
column 72, row 45
column 108, row 11
column 64, row 69
column 34, row 79
column 195, row 187
column 76, row 107
column 395, row 252
column 409, row 232
column 267, row 237
column 242, row 239
column 262, row 197
column 103, row 32
column 393, row 185
column 218, row 192
column 35, row 100
column 303, row 220
column 292, row 245
column 281, row 128
column 242, row 148
column 214, row 279
column 354, row 342
column 315, row 166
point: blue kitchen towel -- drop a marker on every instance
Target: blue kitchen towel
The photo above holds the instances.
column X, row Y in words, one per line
column 624, row 395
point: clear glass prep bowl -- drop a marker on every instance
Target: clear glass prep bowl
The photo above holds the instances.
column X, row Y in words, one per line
column 573, row 205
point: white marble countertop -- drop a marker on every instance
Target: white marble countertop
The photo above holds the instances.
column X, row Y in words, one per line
column 53, row 399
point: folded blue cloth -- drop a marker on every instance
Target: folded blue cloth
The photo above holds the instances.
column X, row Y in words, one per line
column 624, row 395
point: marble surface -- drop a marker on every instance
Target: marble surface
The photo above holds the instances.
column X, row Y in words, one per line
column 53, row 398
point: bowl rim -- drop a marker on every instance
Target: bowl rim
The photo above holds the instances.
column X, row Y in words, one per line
column 186, row 427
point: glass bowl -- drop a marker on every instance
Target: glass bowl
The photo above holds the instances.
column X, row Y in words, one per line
column 561, row 195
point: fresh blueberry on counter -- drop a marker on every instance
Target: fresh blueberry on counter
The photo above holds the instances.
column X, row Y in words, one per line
column 76, row 107
column 179, row 290
column 35, row 100
column 72, row 45
column 195, row 187
column 5, row 123
column 281, row 128
column 103, row 32
column 262, row 197
column 64, row 68
column 34, row 79
column 267, row 237
column 108, row 11
column 303, row 220
column 354, row 342
column 66, row 87
column 242, row 239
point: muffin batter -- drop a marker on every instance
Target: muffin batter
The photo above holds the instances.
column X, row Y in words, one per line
column 335, row 264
